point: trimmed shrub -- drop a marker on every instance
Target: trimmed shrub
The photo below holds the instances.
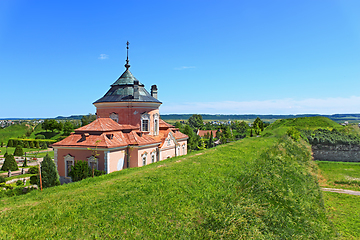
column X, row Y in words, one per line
column 34, row 179
column 43, row 145
column 80, row 171
column 26, row 144
column 34, row 170
column 40, row 136
column 9, row 163
column 49, row 173
column 31, row 144
column 18, row 151
column 37, row 144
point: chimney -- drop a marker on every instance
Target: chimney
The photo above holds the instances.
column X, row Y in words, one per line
column 136, row 89
column 154, row 91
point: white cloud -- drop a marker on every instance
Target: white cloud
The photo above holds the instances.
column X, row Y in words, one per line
column 103, row 56
column 277, row 106
column 184, row 67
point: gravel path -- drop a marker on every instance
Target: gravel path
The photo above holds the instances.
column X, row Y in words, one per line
column 351, row 192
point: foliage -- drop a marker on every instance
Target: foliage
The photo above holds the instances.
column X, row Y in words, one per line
column 19, row 183
column 258, row 126
column 34, row 169
column 49, row 173
column 80, row 171
column 40, row 136
column 10, row 143
column 18, row 151
column 196, row 121
column 330, row 137
column 2, row 179
column 86, row 119
column 34, row 180
column 239, row 129
column 68, row 128
column 52, row 124
column 293, row 133
column 9, row 163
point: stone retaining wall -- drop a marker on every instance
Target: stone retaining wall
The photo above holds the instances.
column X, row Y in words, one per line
column 343, row 153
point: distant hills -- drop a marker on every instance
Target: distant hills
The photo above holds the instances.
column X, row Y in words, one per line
column 222, row 117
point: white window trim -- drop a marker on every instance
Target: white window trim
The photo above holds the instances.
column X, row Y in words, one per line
column 156, row 126
column 145, row 116
column 153, row 157
column 68, row 158
column 144, row 159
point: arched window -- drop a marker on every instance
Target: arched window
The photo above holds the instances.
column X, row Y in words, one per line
column 156, row 124
column 183, row 149
column 145, row 121
column 69, row 161
column 152, row 157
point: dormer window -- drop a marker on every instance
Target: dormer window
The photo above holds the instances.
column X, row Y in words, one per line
column 145, row 122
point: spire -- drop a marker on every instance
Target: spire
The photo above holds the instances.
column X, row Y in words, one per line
column 127, row 65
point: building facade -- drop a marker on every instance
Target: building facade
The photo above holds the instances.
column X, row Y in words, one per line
column 128, row 131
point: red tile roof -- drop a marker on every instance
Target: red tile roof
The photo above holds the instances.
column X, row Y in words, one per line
column 104, row 125
column 202, row 133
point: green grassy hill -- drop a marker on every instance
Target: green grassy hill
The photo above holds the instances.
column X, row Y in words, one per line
column 279, row 127
column 13, row 131
column 260, row 188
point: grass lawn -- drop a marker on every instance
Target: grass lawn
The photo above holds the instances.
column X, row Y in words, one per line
column 344, row 212
column 258, row 188
column 344, row 175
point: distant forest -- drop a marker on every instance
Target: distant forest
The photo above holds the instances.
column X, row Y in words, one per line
column 222, row 117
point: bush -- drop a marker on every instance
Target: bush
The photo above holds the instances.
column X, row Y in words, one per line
column 26, row 144
column 2, row 179
column 18, row 151
column 43, row 145
column 31, row 144
column 34, row 170
column 40, row 136
column 19, row 183
column 9, row 163
column 80, row 171
column 49, row 173
column 34, row 179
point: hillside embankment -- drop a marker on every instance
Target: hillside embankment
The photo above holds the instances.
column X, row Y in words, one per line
column 256, row 188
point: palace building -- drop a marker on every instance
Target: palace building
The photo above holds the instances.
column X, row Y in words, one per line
column 128, row 131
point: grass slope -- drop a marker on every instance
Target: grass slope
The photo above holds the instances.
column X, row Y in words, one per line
column 254, row 188
column 13, row 131
column 344, row 175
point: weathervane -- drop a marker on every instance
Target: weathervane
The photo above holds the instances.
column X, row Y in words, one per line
column 127, row 65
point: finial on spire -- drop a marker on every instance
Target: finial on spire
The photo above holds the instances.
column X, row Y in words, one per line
column 127, row 65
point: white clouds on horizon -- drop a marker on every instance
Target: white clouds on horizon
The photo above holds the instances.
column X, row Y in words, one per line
column 277, row 106
column 184, row 67
column 103, row 56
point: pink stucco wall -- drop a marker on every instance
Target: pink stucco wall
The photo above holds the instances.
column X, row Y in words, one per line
column 78, row 155
column 114, row 158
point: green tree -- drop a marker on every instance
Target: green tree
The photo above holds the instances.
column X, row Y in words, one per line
column 258, row 126
column 210, row 143
column 86, row 119
column 49, row 173
column 9, row 163
column 2, row 143
column 18, row 151
column 193, row 138
column 68, row 128
column 10, row 143
column 196, row 121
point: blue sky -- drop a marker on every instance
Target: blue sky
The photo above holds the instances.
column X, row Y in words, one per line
column 220, row 57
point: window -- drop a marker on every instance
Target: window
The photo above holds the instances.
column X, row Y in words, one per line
column 183, row 149
column 144, row 159
column 168, row 141
column 145, row 121
column 114, row 117
column 69, row 161
column 152, row 157
column 156, row 124
column 145, row 125
column 93, row 162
